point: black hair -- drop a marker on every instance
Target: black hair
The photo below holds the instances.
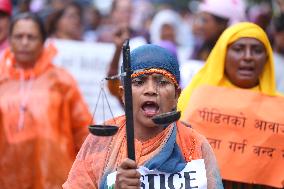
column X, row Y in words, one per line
column 278, row 23
column 55, row 16
column 29, row 16
column 221, row 20
column 4, row 14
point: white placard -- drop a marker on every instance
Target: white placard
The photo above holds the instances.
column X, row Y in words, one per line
column 192, row 176
column 88, row 63
column 188, row 69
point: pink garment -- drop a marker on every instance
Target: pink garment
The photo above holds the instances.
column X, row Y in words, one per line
column 234, row 10
column 6, row 6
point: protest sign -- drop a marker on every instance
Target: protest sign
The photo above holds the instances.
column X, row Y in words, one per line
column 88, row 63
column 246, row 130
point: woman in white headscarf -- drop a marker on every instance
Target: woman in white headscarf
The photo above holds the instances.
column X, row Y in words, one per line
column 167, row 25
column 211, row 20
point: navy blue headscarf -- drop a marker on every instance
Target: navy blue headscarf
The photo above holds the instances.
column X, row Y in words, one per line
column 153, row 56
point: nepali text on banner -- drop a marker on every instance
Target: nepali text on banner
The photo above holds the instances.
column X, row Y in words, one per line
column 245, row 129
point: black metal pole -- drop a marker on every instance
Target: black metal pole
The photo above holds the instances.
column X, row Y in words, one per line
column 128, row 100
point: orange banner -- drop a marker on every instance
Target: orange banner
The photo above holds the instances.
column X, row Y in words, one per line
column 246, row 131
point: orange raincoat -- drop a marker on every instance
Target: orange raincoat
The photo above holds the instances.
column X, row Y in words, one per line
column 43, row 122
column 99, row 155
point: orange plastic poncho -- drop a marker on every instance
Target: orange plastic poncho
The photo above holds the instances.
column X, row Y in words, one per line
column 43, row 122
column 100, row 155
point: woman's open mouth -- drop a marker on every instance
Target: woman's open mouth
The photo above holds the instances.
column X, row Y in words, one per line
column 246, row 71
column 150, row 108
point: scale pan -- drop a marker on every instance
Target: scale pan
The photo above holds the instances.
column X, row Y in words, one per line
column 166, row 118
column 103, row 130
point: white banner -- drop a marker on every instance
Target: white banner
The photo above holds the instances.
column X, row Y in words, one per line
column 188, row 69
column 88, row 63
column 192, row 176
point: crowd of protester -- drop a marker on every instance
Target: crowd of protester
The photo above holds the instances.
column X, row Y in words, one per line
column 43, row 115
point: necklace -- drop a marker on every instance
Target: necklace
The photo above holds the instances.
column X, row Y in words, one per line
column 25, row 90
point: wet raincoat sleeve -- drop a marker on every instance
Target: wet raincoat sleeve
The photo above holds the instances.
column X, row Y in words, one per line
column 79, row 177
column 188, row 137
column 214, row 180
column 89, row 164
